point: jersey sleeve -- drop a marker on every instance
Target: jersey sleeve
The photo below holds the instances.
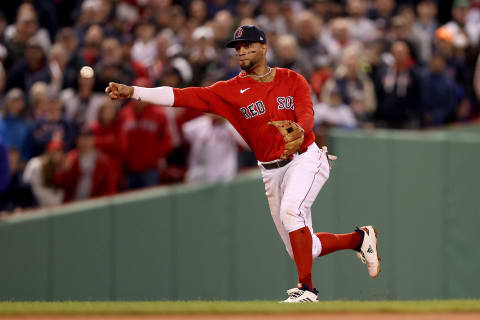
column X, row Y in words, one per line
column 303, row 104
column 206, row 99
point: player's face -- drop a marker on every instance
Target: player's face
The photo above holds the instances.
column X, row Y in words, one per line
column 249, row 54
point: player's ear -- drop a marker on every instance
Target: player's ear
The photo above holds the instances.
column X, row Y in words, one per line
column 264, row 48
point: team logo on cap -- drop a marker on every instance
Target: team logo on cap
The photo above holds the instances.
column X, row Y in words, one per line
column 238, row 32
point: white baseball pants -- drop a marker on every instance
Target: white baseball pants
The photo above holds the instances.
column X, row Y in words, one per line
column 291, row 191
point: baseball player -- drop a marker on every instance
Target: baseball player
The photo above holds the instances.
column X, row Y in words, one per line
column 271, row 108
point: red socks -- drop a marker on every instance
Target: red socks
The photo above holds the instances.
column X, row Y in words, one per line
column 333, row 242
column 301, row 241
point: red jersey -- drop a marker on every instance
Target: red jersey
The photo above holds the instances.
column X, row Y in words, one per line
column 144, row 137
column 249, row 105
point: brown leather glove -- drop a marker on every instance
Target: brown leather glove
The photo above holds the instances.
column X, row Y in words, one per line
column 292, row 133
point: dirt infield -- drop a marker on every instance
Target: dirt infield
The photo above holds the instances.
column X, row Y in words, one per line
column 336, row 316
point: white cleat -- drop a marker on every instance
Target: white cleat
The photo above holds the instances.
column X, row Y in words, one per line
column 301, row 295
column 368, row 251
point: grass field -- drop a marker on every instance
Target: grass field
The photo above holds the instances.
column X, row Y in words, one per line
column 225, row 307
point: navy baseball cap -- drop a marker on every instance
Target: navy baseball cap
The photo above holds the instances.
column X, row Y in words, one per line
column 247, row 33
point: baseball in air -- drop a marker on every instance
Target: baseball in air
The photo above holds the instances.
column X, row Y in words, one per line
column 86, row 72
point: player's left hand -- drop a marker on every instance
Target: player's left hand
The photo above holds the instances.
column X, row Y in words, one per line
column 292, row 133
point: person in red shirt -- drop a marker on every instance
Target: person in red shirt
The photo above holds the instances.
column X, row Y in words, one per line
column 258, row 102
column 145, row 142
column 87, row 172
column 105, row 132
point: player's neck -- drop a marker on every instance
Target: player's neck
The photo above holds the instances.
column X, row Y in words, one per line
column 261, row 73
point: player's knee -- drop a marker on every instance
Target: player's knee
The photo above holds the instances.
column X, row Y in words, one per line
column 291, row 218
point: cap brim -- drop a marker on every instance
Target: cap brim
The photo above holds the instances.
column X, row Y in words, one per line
column 232, row 43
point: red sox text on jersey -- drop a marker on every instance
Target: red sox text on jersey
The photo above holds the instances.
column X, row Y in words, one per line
column 258, row 107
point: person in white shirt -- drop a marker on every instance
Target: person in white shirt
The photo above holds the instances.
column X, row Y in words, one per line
column 214, row 149
column 39, row 174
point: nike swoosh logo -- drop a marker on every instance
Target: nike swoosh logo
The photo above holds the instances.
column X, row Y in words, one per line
column 243, row 90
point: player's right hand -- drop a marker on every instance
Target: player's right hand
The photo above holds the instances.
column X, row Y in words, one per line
column 118, row 91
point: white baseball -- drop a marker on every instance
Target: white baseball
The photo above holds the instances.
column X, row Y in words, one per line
column 86, row 72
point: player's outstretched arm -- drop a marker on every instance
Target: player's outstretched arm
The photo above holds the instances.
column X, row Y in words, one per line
column 160, row 95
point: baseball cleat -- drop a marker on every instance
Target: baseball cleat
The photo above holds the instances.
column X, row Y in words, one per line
column 368, row 251
column 301, row 295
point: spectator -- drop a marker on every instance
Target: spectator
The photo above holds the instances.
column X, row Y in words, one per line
column 271, row 20
column 111, row 67
column 245, row 9
column 315, row 37
column 338, row 38
column 197, row 13
column 212, row 138
column 463, row 32
column 361, row 28
column 308, row 29
column 216, row 6
column 106, row 131
column 178, row 24
column 37, row 98
column 402, row 31
column 91, row 51
column 397, row 87
column 424, row 28
column 57, row 64
column 68, row 39
column 454, row 56
column 382, row 12
column 81, row 103
column 94, row 12
column 31, row 69
column 17, row 194
column 138, row 68
column 203, row 53
column 439, row 98
column 286, row 52
column 143, row 49
column 353, row 85
column 86, row 173
column 334, row 112
column 26, row 29
column 145, row 141
column 39, row 174
column 169, row 53
column 51, row 124
column 222, row 27
column 14, row 115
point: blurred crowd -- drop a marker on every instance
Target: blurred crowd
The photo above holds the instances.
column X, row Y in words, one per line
column 370, row 63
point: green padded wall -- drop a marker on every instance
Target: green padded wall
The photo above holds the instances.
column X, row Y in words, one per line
column 24, row 260
column 462, row 218
column 218, row 241
column 81, row 253
column 142, row 243
column 260, row 262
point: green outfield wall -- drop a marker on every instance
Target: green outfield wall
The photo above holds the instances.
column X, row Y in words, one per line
column 421, row 190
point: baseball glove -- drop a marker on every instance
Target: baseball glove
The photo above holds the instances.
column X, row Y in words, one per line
column 292, row 134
